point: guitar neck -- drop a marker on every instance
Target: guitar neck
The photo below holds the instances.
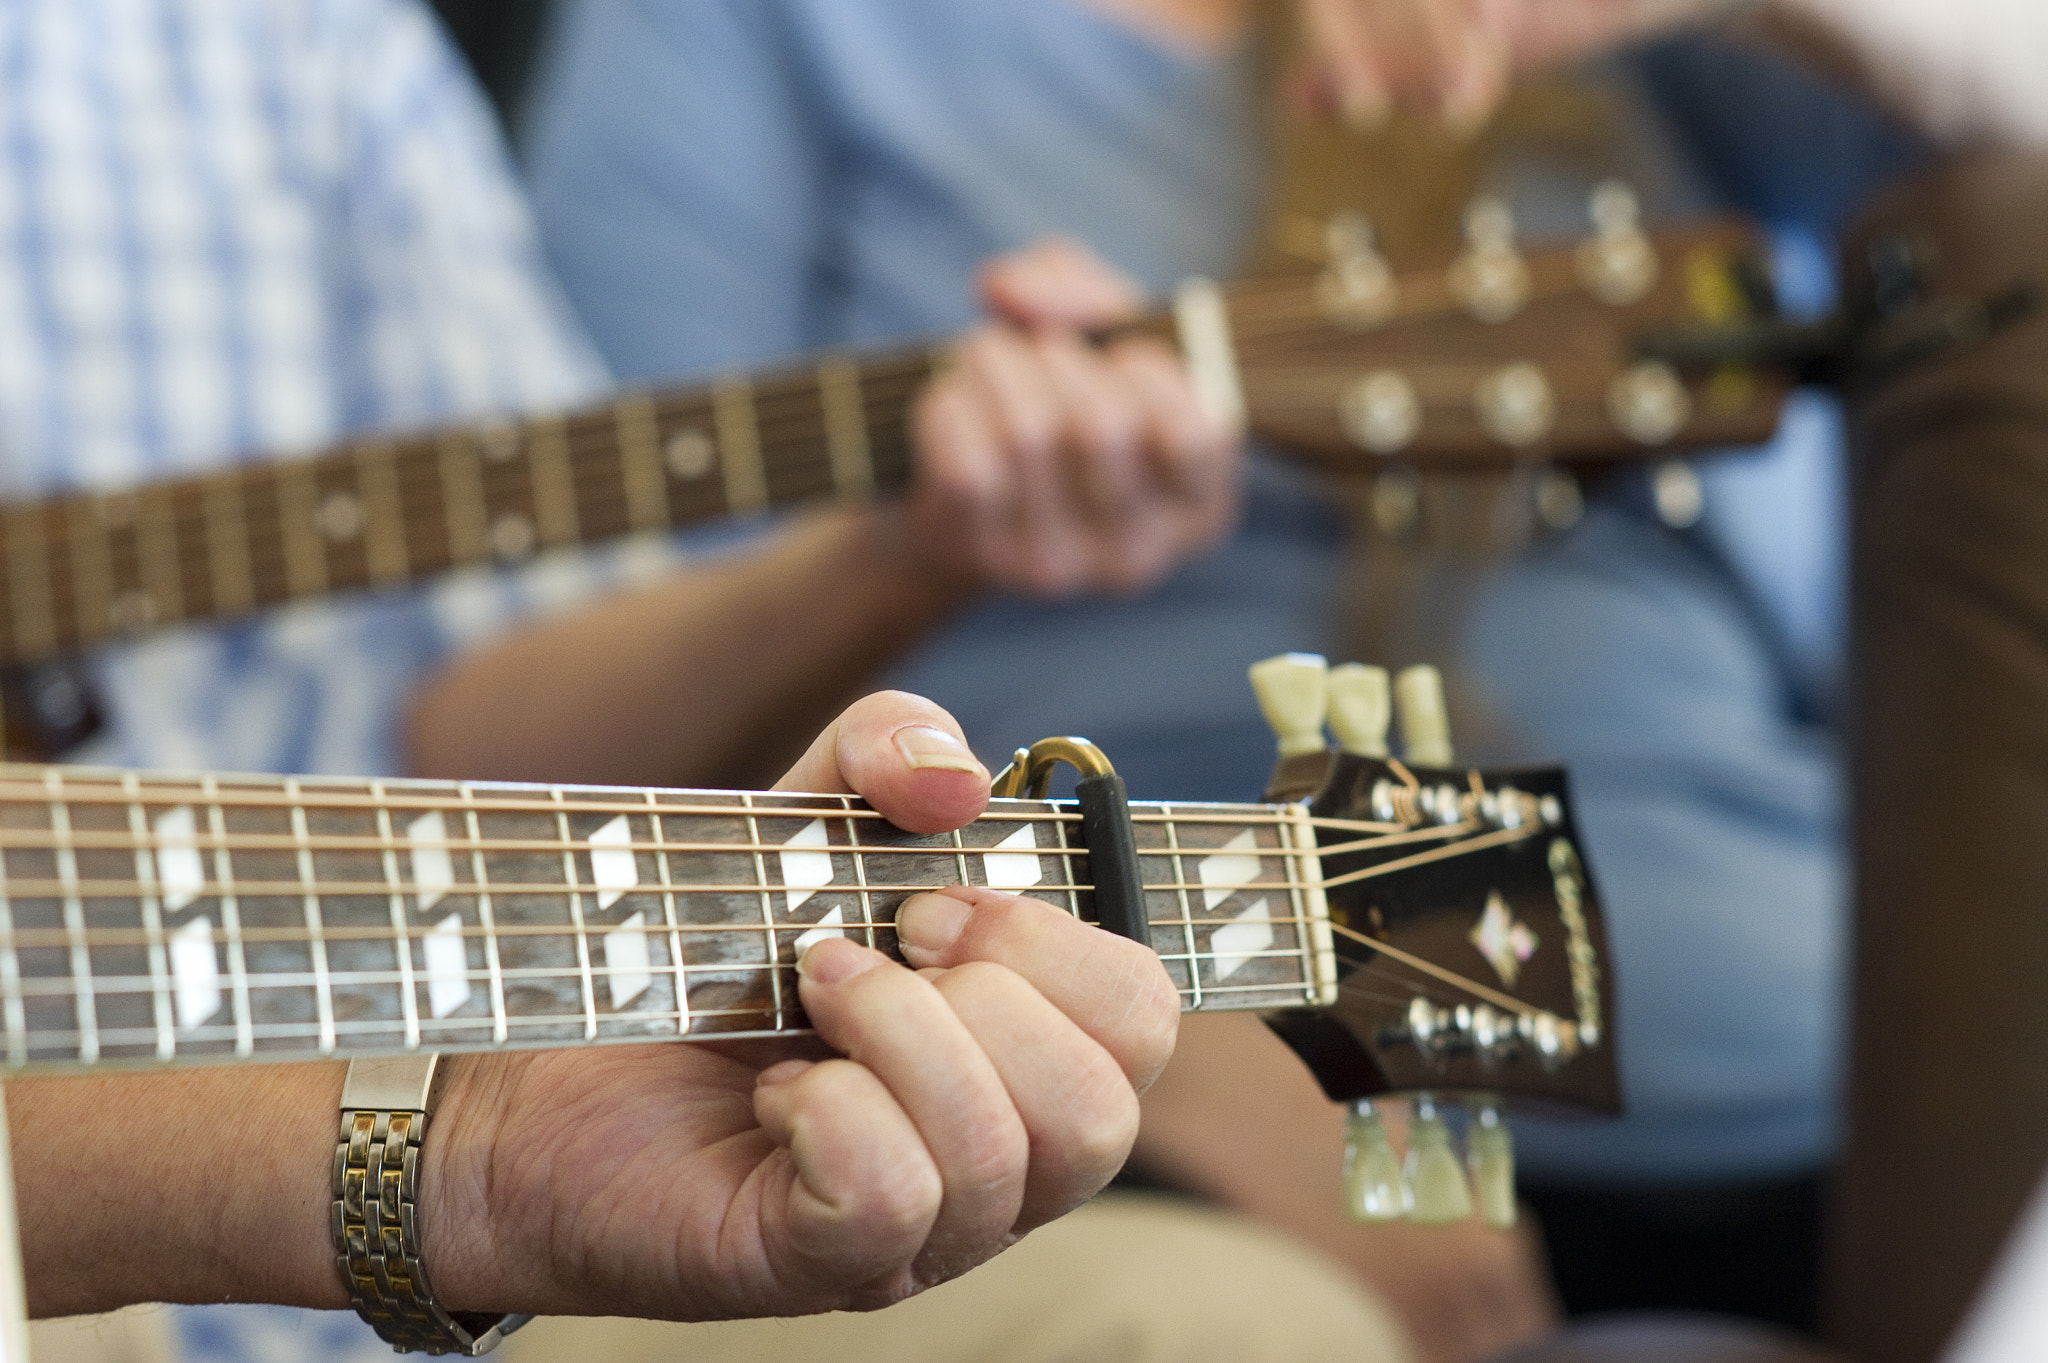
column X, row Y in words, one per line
column 85, row 569
column 146, row 918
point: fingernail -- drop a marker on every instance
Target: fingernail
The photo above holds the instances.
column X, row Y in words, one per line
column 923, row 746
column 931, row 922
column 836, row 959
column 782, row 1073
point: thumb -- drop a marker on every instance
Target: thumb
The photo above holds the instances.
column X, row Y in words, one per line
column 902, row 753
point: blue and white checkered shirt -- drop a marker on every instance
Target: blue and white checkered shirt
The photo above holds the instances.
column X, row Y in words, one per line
column 230, row 228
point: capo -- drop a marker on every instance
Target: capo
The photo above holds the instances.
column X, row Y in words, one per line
column 1105, row 825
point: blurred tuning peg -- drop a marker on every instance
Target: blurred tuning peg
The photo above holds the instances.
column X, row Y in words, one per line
column 1294, row 695
column 1437, row 1189
column 1361, row 707
column 1373, row 1187
column 1357, row 287
column 1619, row 265
column 1490, row 278
column 1490, row 1151
column 1425, row 723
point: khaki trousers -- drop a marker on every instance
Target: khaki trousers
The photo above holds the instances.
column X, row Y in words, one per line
column 1126, row 1279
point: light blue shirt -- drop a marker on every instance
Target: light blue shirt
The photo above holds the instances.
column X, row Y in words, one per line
column 729, row 180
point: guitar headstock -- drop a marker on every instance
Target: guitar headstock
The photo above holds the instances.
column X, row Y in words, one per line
column 1499, row 355
column 1472, row 955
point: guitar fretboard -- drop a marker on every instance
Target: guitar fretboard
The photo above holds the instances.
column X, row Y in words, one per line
column 81, row 570
column 153, row 918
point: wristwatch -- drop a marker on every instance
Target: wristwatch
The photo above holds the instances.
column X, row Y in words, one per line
column 375, row 1217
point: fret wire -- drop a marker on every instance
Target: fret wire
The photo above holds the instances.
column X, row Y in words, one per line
column 637, row 430
column 10, row 975
column 739, row 446
column 487, row 917
column 1187, row 912
column 669, row 918
column 385, row 557
column 554, row 493
column 83, row 1001
column 316, row 926
column 1066, row 855
column 960, row 857
column 463, row 507
column 157, row 559
column 774, row 956
column 150, row 906
column 860, row 876
column 846, row 432
column 92, row 568
column 303, row 547
column 230, row 918
column 227, row 557
column 576, row 916
column 31, row 596
column 401, row 926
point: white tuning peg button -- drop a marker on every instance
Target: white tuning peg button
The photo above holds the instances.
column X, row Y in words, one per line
column 1294, row 695
column 1361, row 706
column 1373, row 1187
column 1425, row 723
column 1490, row 1151
column 1437, row 1189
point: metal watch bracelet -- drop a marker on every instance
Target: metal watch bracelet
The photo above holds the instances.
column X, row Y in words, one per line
column 375, row 1215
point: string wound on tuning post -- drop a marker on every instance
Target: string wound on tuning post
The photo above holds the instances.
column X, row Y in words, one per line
column 1490, row 1152
column 1374, row 1189
column 1438, row 1192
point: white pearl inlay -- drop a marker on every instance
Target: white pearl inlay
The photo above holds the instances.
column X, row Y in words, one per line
column 195, row 973
column 447, row 966
column 433, row 870
column 1239, row 942
column 806, row 872
column 180, row 870
column 1009, row 866
column 627, row 960
column 1229, row 870
column 612, row 867
column 828, row 926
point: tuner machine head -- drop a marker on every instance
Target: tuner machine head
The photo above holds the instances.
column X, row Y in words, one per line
column 1294, row 695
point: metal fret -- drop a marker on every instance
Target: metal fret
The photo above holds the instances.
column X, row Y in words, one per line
column 486, row 915
column 554, row 488
column 227, row 544
column 298, row 512
column 16, row 1013
column 83, row 1001
column 32, row 600
column 156, row 551
column 1067, row 868
column 669, row 917
column 316, row 925
column 767, row 908
column 384, row 547
column 1187, row 913
column 639, row 438
column 151, row 905
column 462, row 500
column 408, row 1002
column 576, row 916
column 230, row 919
column 739, row 446
column 846, row 427
column 960, row 857
column 92, row 568
column 860, row 872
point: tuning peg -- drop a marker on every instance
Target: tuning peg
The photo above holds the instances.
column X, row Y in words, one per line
column 1490, row 1151
column 1619, row 265
column 1294, row 695
column 1491, row 278
column 1357, row 287
column 1425, row 723
column 1437, row 1189
column 1360, row 709
column 1373, row 1187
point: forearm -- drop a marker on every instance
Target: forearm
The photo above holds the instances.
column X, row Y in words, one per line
column 193, row 1186
column 717, row 675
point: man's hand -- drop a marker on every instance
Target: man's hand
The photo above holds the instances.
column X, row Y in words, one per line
column 1455, row 59
column 1050, row 466
column 986, row 1092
